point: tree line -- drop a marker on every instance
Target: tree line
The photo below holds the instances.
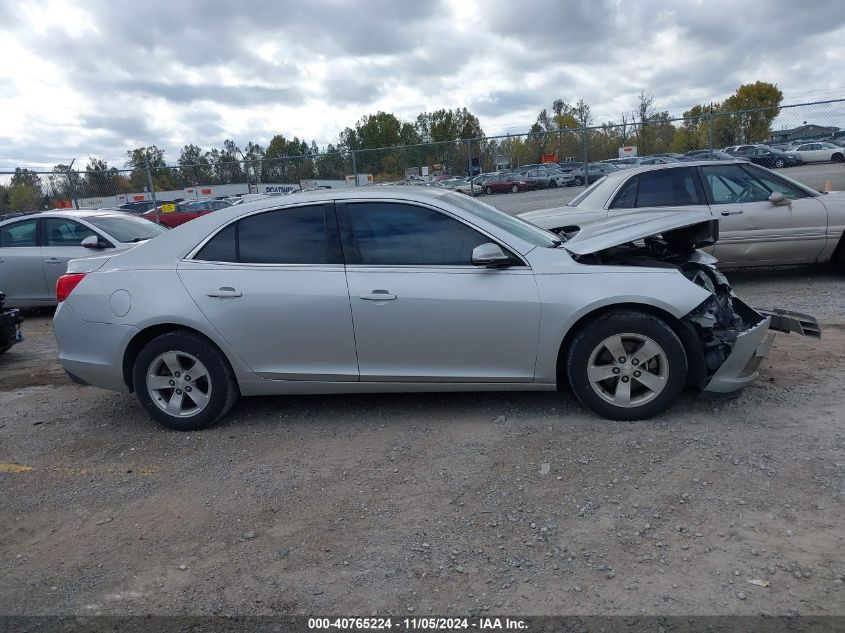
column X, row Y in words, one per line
column 384, row 145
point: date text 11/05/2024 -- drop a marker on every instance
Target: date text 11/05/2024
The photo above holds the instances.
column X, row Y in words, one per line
column 416, row 624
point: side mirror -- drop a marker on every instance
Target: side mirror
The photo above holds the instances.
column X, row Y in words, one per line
column 779, row 200
column 489, row 255
column 93, row 241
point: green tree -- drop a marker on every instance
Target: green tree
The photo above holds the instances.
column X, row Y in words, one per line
column 194, row 167
column 163, row 179
column 755, row 106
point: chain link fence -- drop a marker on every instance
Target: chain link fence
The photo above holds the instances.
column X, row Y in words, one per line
column 545, row 168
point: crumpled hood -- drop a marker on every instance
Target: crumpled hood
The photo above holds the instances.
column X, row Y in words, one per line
column 692, row 226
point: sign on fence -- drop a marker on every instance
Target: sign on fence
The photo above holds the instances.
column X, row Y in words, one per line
column 627, row 150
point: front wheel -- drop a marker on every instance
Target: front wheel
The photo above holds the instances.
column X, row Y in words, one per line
column 183, row 381
column 488, row 190
column 579, row 181
column 553, row 184
column 627, row 366
column 779, row 163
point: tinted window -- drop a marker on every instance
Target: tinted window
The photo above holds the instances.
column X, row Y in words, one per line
column 61, row 232
column 287, row 236
column 394, row 234
column 221, row 247
column 668, row 187
column 515, row 226
column 627, row 196
column 731, row 183
column 18, row 234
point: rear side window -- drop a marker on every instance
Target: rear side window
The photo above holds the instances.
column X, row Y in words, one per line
column 300, row 235
column 19, row 234
column 661, row 188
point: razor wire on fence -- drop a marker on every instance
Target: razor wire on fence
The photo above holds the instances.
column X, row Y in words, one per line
column 545, row 167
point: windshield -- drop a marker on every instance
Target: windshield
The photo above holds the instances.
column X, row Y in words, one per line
column 579, row 199
column 126, row 228
column 522, row 229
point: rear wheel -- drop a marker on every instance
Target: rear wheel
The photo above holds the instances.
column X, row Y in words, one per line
column 3, row 350
column 515, row 188
column 779, row 163
column 553, row 184
column 838, row 158
column 627, row 366
column 183, row 381
column 579, row 181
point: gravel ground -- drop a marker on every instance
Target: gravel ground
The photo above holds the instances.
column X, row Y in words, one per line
column 817, row 176
column 433, row 504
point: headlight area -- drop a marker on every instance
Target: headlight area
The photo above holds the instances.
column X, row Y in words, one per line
column 735, row 337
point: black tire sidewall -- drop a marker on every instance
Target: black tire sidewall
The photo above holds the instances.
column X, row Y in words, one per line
column 223, row 387
column 593, row 333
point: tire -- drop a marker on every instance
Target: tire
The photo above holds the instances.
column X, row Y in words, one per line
column 578, row 181
column 553, row 184
column 515, row 189
column 837, row 158
column 779, row 163
column 488, row 190
column 634, row 330
column 3, row 350
column 167, row 360
column 838, row 259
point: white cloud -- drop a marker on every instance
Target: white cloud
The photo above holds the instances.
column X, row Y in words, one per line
column 100, row 77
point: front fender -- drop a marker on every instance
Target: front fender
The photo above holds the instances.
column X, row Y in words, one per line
column 567, row 298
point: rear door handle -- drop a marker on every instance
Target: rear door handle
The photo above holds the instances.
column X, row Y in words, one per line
column 225, row 291
column 52, row 260
column 726, row 213
column 377, row 295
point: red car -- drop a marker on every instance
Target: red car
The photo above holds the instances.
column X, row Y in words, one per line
column 185, row 212
column 507, row 182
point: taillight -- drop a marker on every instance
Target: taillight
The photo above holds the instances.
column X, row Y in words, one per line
column 66, row 284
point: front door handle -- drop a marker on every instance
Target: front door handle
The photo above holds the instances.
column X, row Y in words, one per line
column 726, row 213
column 224, row 292
column 377, row 295
column 52, row 260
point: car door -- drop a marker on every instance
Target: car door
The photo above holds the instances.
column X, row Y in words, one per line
column 21, row 269
column 273, row 285
column 63, row 242
column 753, row 230
column 422, row 312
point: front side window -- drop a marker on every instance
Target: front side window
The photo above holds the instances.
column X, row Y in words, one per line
column 397, row 234
column 730, row 184
column 299, row 235
column 19, row 234
column 61, row 232
column 773, row 183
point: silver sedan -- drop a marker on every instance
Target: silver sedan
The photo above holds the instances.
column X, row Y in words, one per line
column 408, row 289
column 35, row 249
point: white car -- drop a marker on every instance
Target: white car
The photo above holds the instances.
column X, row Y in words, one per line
column 819, row 152
column 35, row 249
column 764, row 218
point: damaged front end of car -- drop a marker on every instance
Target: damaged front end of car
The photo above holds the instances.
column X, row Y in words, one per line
column 730, row 337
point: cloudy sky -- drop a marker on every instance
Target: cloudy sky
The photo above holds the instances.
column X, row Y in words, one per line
column 98, row 77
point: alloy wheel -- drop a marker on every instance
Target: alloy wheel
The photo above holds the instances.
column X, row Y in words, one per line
column 179, row 384
column 628, row 370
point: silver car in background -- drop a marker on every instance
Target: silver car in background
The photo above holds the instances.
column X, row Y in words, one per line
column 35, row 249
column 765, row 219
column 409, row 289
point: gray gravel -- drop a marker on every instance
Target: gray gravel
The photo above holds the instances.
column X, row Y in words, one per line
column 433, row 503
